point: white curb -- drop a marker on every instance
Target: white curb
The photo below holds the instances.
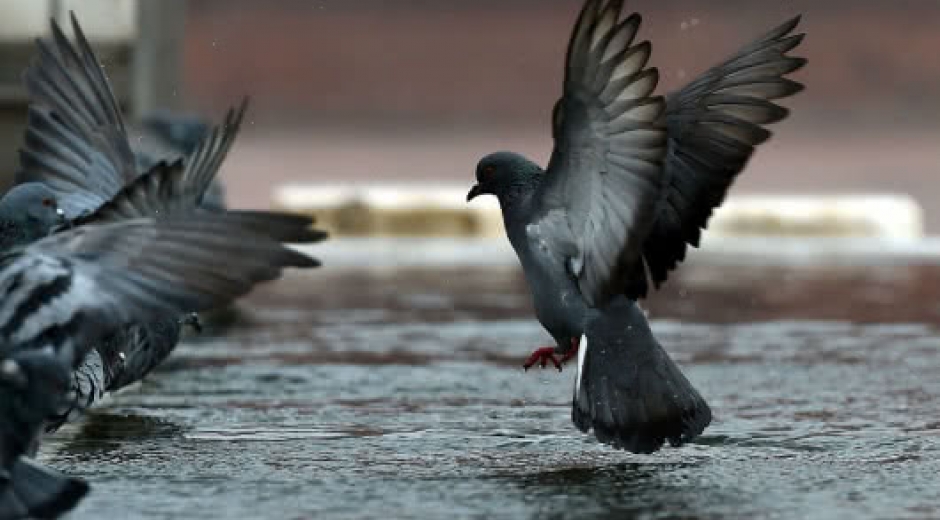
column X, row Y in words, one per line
column 443, row 212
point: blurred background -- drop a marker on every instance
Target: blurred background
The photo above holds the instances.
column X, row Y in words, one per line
column 399, row 91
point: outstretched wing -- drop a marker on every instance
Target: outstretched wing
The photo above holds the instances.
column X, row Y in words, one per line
column 168, row 189
column 69, row 289
column 76, row 142
column 713, row 124
column 598, row 198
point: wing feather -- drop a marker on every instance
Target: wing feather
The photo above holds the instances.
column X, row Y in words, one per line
column 604, row 179
column 714, row 125
column 69, row 289
column 73, row 108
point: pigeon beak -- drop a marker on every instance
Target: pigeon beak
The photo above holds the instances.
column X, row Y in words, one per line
column 474, row 192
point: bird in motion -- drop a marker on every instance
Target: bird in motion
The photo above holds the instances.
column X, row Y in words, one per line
column 62, row 294
column 77, row 154
column 632, row 181
column 98, row 262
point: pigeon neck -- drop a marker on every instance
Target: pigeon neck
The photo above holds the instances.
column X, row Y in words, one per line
column 516, row 200
column 517, row 194
column 12, row 235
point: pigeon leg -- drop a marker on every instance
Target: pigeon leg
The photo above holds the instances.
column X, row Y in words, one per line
column 542, row 356
column 572, row 352
column 192, row 319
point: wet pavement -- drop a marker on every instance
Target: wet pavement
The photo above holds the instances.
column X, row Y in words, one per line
column 396, row 392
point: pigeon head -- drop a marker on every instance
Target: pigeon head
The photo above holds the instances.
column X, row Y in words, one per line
column 504, row 174
column 28, row 211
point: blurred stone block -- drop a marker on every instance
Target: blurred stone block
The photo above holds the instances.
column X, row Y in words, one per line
column 858, row 216
column 392, row 210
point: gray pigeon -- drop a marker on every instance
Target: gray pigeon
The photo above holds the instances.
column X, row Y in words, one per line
column 166, row 136
column 76, row 145
column 632, row 179
column 63, row 293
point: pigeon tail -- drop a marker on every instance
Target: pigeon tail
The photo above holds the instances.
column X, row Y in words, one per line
column 31, row 491
column 628, row 390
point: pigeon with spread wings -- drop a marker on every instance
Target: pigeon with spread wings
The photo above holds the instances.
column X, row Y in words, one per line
column 63, row 294
column 76, row 153
column 632, row 180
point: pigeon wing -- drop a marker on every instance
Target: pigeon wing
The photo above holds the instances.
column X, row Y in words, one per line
column 713, row 125
column 67, row 290
column 176, row 188
column 76, row 141
column 598, row 198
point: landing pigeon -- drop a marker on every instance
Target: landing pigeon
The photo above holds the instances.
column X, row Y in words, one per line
column 64, row 293
column 632, row 179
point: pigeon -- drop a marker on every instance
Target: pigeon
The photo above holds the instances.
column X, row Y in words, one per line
column 77, row 145
column 128, row 355
column 65, row 292
column 631, row 182
column 179, row 133
column 165, row 135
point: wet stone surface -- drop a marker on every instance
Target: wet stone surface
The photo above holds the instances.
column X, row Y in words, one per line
column 398, row 394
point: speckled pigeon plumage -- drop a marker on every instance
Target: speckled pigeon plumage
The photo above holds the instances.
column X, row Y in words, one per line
column 77, row 145
column 632, row 181
column 63, row 294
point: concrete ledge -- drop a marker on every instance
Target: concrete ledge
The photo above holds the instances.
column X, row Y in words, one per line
column 883, row 216
column 393, row 210
column 419, row 211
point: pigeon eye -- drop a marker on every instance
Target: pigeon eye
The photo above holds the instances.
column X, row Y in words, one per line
column 48, row 202
column 488, row 171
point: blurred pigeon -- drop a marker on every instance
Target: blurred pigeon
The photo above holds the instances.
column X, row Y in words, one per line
column 178, row 133
column 165, row 136
column 94, row 160
column 632, row 180
column 66, row 292
column 130, row 354
column 77, row 145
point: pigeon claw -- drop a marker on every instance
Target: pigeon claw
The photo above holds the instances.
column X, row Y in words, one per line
column 545, row 354
column 541, row 357
column 192, row 320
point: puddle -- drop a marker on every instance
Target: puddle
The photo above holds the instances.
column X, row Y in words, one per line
column 401, row 397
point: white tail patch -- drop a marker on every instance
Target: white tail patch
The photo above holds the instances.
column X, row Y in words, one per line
column 582, row 351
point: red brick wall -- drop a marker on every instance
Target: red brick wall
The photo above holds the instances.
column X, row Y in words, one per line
column 328, row 62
